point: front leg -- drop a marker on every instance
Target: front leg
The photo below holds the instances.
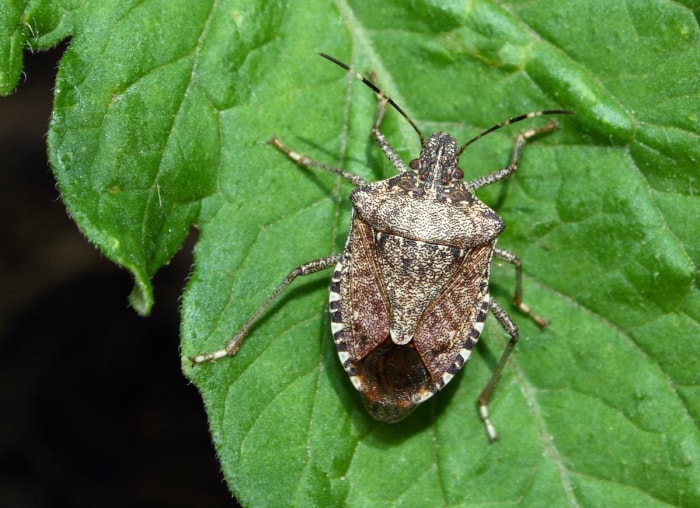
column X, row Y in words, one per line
column 305, row 162
column 520, row 142
column 382, row 101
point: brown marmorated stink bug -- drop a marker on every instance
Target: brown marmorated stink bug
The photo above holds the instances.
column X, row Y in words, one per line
column 410, row 292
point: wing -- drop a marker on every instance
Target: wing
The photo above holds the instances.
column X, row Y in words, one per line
column 452, row 324
column 361, row 313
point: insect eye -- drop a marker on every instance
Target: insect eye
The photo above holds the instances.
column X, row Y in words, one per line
column 457, row 174
column 414, row 164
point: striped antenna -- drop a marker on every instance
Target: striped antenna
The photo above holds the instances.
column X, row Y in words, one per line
column 376, row 90
column 500, row 125
column 515, row 119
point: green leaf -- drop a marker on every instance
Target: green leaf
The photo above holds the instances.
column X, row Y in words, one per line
column 162, row 114
column 12, row 37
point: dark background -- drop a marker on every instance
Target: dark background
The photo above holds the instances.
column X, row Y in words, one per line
column 94, row 408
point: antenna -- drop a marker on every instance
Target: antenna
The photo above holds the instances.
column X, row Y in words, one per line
column 515, row 119
column 376, row 90
column 500, row 125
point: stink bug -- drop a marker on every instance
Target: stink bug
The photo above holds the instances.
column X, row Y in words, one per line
column 410, row 292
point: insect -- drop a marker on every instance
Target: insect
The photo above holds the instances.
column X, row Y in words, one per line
column 410, row 292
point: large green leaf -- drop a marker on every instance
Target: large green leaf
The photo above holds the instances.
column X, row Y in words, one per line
column 162, row 114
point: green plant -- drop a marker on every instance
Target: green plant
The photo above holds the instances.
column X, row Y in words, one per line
column 161, row 118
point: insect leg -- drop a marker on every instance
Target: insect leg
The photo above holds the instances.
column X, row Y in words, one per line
column 382, row 101
column 485, row 396
column 520, row 141
column 234, row 343
column 518, row 294
column 388, row 150
column 305, row 162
